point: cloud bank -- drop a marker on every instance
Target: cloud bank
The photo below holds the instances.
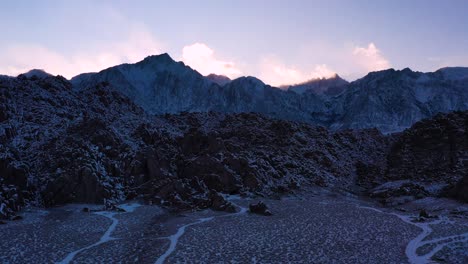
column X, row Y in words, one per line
column 275, row 73
column 138, row 44
column 202, row 58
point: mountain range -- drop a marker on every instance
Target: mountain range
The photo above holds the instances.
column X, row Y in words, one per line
column 95, row 139
column 390, row 100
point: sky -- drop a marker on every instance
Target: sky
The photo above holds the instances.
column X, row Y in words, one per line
column 280, row 42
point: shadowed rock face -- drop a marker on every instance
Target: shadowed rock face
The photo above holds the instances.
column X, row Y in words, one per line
column 259, row 208
column 431, row 149
column 434, row 150
column 388, row 100
column 460, row 190
column 58, row 145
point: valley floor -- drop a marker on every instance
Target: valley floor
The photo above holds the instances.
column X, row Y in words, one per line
column 315, row 227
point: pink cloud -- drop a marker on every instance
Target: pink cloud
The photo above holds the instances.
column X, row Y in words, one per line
column 202, row 58
column 275, row 73
column 370, row 58
column 135, row 46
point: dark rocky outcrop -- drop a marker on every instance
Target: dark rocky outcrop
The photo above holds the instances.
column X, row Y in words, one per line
column 460, row 190
column 260, row 208
column 95, row 145
column 433, row 152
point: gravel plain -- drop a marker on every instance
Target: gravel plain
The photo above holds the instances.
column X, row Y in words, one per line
column 306, row 228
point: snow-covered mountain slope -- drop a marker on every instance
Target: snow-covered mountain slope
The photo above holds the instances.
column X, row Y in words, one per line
column 389, row 100
column 160, row 85
column 393, row 100
column 329, row 86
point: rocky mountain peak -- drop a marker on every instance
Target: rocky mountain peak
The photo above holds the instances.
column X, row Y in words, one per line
column 331, row 86
column 249, row 79
column 161, row 58
column 37, row 73
column 218, row 79
column 390, row 100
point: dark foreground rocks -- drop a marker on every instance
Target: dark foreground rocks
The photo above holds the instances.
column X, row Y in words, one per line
column 259, row 208
column 60, row 146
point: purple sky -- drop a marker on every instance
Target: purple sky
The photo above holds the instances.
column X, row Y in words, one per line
column 279, row 42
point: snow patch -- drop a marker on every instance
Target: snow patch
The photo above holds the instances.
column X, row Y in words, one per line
column 129, row 207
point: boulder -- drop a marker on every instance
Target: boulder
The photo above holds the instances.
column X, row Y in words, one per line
column 259, row 208
column 218, row 203
column 423, row 213
column 16, row 218
column 398, row 192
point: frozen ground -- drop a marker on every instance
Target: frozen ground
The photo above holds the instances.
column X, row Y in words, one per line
column 312, row 228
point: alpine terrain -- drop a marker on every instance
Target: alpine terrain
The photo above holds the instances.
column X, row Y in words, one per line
column 153, row 162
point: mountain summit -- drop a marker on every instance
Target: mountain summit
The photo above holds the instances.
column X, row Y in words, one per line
column 329, row 86
column 37, row 73
column 219, row 79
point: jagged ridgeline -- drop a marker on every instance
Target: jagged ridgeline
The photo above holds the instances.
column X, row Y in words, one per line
column 96, row 137
column 388, row 100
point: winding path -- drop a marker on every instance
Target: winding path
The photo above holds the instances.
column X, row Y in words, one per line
column 181, row 230
column 418, row 241
column 106, row 237
column 411, row 250
column 175, row 238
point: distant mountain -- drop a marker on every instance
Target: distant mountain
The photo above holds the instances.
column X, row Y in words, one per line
column 219, row 79
column 93, row 144
column 393, row 100
column 158, row 84
column 329, row 86
column 389, row 100
column 37, row 73
column 453, row 73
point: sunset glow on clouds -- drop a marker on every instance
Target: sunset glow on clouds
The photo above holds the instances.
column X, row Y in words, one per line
column 139, row 44
column 22, row 58
column 72, row 37
column 202, row 58
column 134, row 39
column 370, row 58
column 275, row 73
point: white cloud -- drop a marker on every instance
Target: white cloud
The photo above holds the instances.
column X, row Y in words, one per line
column 275, row 73
column 370, row 58
column 136, row 45
column 137, row 42
column 202, row 58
